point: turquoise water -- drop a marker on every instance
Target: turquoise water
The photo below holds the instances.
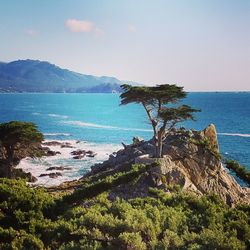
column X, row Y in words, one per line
column 99, row 119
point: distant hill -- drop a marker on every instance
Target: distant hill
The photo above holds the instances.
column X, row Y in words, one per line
column 39, row 76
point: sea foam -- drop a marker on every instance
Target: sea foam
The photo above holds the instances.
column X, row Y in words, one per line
column 57, row 134
column 99, row 126
column 58, row 116
column 38, row 166
column 235, row 134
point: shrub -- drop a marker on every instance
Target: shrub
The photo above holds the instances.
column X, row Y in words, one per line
column 239, row 170
column 178, row 220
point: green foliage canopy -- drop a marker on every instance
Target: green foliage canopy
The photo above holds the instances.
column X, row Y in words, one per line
column 155, row 101
column 18, row 133
column 29, row 220
column 239, row 170
column 15, row 132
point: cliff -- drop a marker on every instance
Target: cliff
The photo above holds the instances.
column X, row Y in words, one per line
column 191, row 161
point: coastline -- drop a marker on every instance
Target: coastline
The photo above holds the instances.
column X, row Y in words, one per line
column 75, row 168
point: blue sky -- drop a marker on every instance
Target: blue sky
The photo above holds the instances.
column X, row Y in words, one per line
column 201, row 45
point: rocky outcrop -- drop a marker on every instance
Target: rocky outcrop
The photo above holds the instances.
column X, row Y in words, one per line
column 61, row 168
column 79, row 154
column 51, row 175
column 56, row 143
column 52, row 143
column 48, row 152
column 191, row 161
column 211, row 134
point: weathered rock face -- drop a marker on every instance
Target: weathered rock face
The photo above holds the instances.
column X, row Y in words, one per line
column 197, row 177
column 191, row 160
column 211, row 134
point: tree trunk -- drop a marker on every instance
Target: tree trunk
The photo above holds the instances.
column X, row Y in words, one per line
column 160, row 147
column 158, row 144
column 10, row 155
column 156, row 148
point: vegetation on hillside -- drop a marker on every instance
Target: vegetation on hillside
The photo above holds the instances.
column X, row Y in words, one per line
column 88, row 219
column 93, row 216
column 39, row 76
column 239, row 170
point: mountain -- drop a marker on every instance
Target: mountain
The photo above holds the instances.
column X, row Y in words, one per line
column 40, row 76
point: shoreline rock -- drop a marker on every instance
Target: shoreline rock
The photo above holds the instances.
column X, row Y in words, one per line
column 51, row 175
column 61, row 168
column 79, row 154
column 191, row 161
column 52, row 143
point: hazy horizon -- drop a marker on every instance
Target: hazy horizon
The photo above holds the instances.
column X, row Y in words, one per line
column 201, row 45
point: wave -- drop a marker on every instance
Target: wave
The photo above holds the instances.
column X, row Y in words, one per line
column 38, row 166
column 235, row 134
column 94, row 125
column 52, row 115
column 56, row 134
column 87, row 124
column 59, row 116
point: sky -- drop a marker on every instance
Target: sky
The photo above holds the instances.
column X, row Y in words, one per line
column 203, row 45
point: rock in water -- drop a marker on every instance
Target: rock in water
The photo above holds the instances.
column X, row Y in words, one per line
column 79, row 154
column 51, row 175
column 61, row 168
column 52, row 143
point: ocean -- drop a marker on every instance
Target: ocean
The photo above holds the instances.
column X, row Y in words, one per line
column 97, row 122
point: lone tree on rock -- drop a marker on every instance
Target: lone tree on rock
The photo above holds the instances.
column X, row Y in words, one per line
column 16, row 135
column 155, row 101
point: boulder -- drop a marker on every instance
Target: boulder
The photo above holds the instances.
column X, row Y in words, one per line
column 66, row 145
column 90, row 153
column 79, row 154
column 52, row 143
column 52, row 153
column 61, row 168
column 78, row 157
column 51, row 175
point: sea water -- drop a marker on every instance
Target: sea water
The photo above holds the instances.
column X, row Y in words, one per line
column 100, row 123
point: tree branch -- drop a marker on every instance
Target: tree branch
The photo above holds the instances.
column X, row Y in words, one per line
column 153, row 122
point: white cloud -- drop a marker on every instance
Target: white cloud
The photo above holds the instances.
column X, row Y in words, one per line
column 80, row 26
column 132, row 28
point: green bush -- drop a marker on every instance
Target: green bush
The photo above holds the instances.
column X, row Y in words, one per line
column 90, row 190
column 30, row 219
column 239, row 170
